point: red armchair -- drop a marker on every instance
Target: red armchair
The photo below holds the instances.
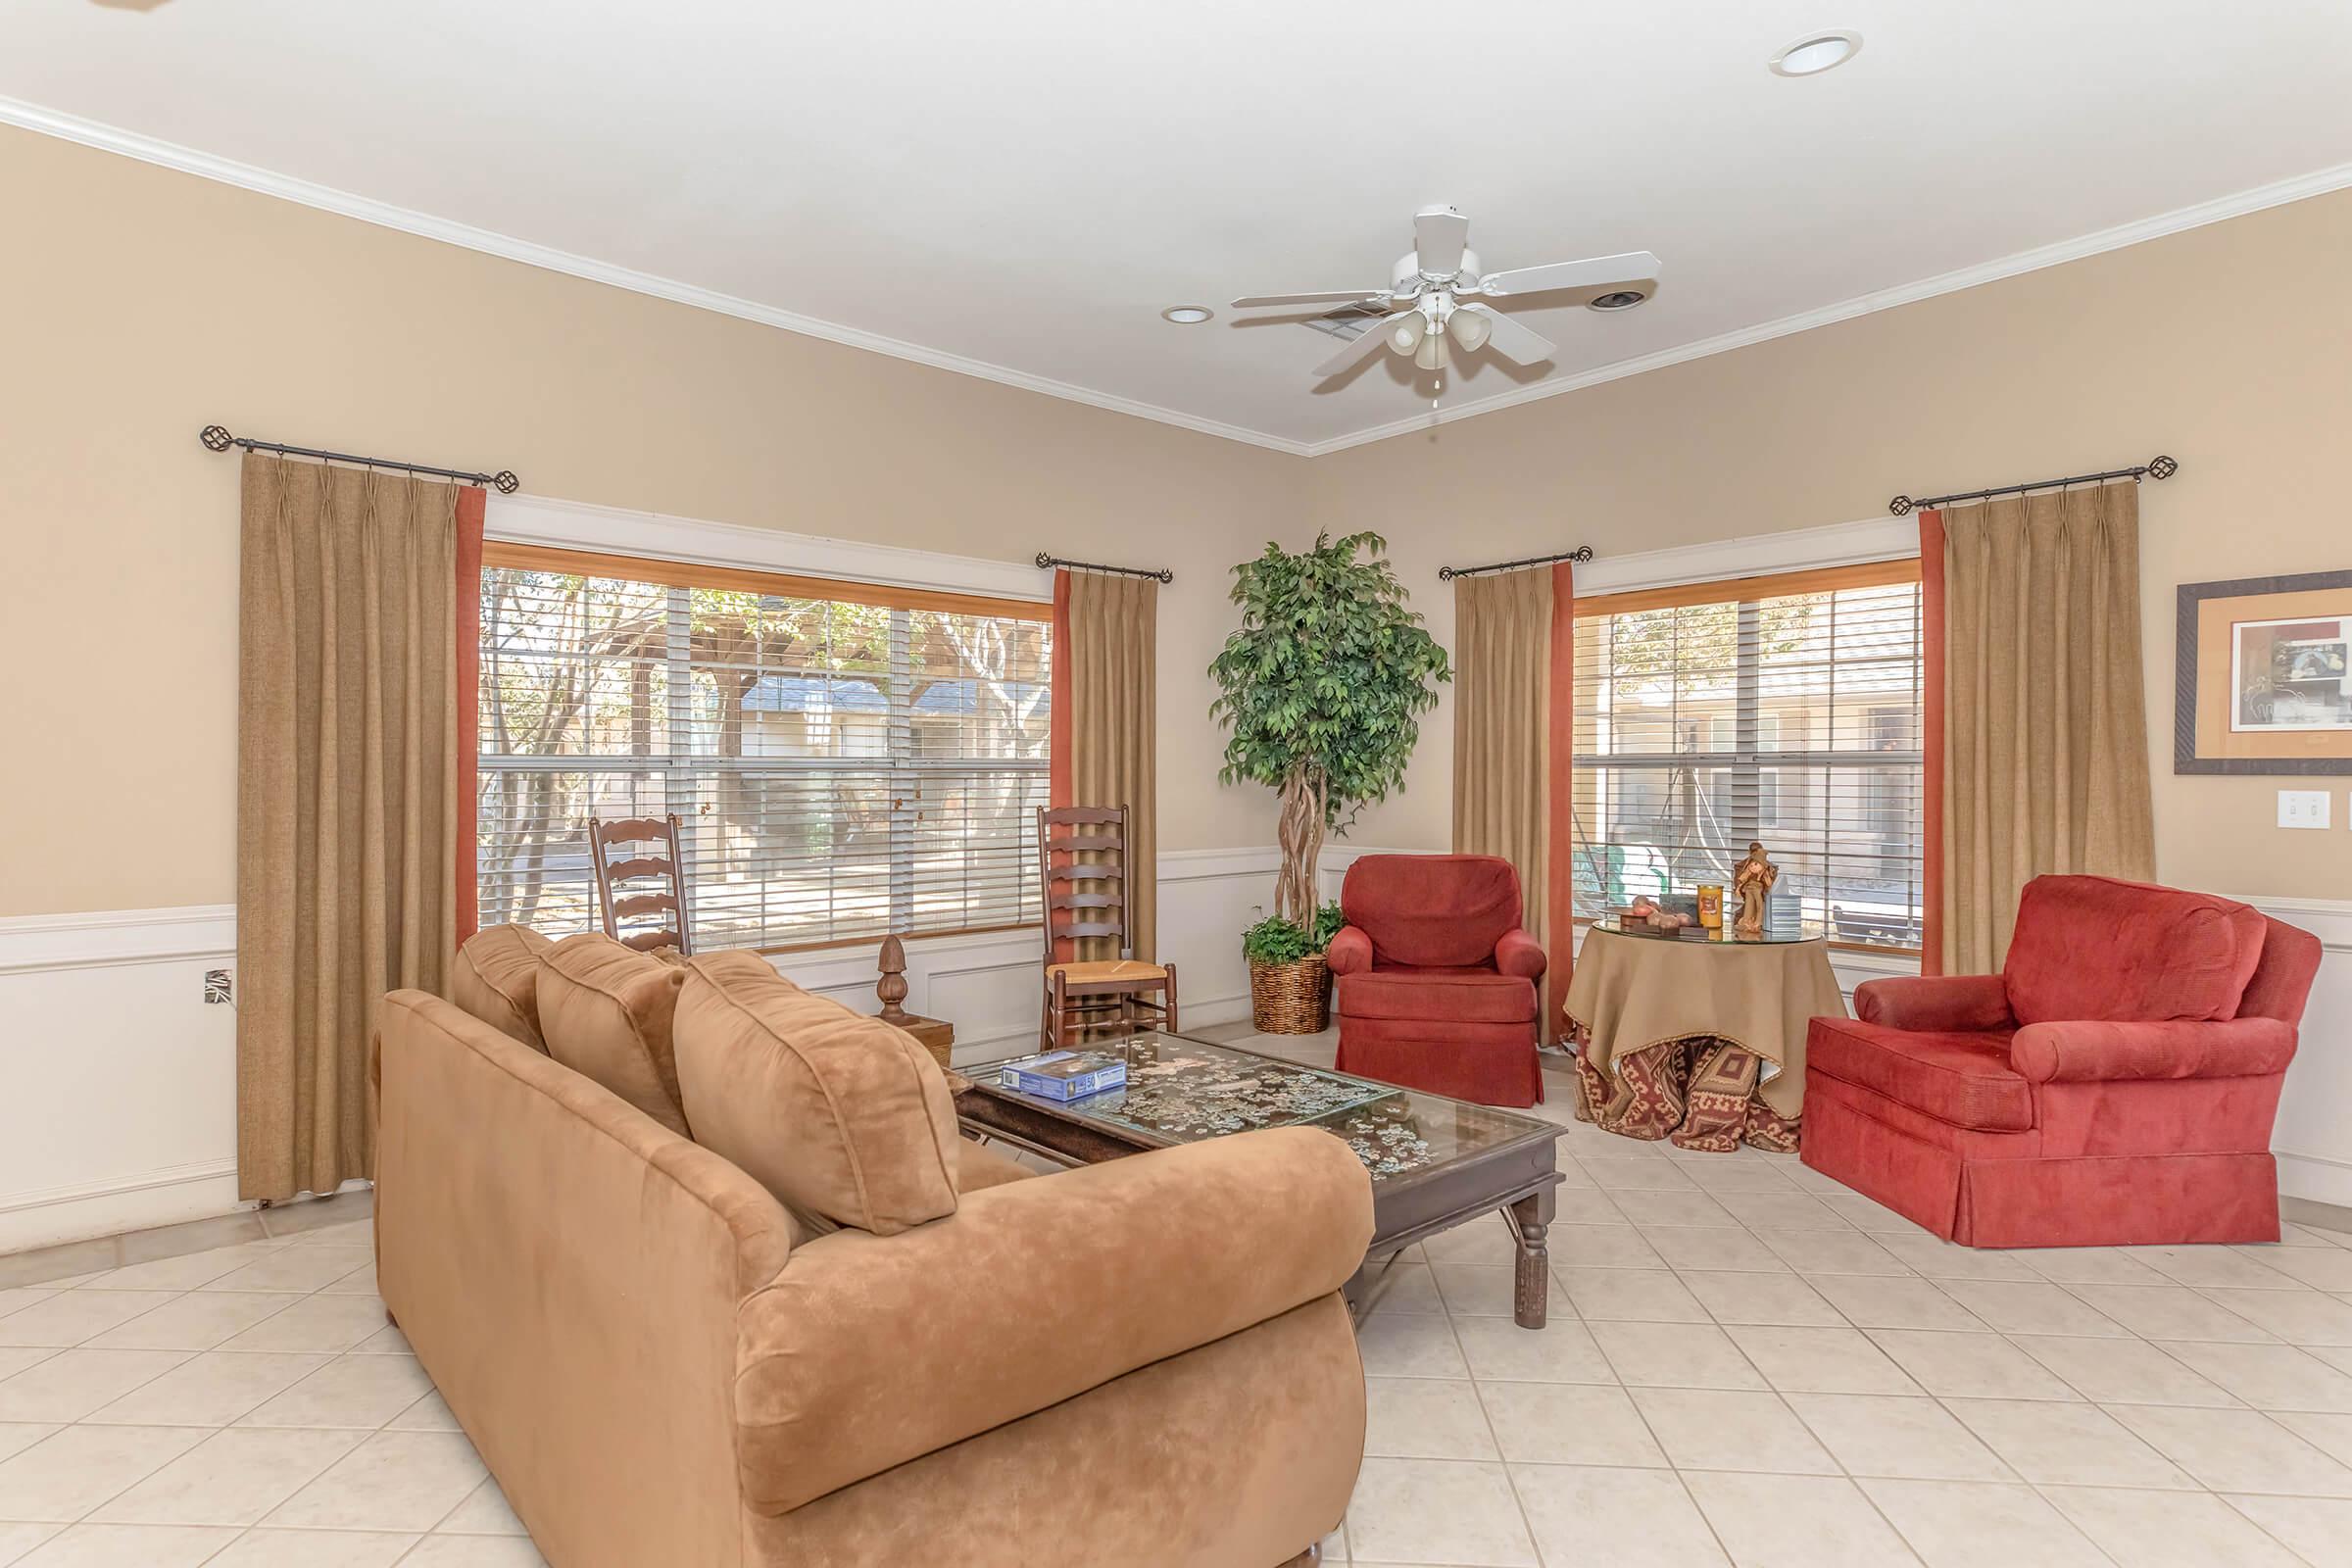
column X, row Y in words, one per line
column 1436, row 980
column 2115, row 1084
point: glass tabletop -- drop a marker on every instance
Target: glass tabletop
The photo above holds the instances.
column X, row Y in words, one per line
column 1182, row 1091
column 1774, row 933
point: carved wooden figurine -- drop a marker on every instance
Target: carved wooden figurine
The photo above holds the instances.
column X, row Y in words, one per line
column 892, row 987
column 1751, row 883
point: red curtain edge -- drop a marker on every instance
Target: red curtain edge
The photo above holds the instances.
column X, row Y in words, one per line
column 1057, row 722
column 471, row 501
column 1931, row 740
column 1559, row 878
column 1060, row 788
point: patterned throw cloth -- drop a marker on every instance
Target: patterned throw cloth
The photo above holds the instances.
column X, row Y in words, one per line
column 1702, row 1043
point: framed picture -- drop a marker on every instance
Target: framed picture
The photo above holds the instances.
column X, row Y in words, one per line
column 2262, row 679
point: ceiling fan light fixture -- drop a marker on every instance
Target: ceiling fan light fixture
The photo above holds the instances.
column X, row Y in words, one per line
column 1187, row 314
column 1431, row 355
column 1470, row 329
column 1816, row 53
column 1406, row 336
column 1619, row 299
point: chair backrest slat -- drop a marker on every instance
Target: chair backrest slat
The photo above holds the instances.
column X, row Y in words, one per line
column 1073, row 847
column 668, row 862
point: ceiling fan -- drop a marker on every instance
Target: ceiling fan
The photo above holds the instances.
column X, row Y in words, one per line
column 1439, row 287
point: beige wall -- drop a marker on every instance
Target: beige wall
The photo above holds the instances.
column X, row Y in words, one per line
column 143, row 304
column 2228, row 347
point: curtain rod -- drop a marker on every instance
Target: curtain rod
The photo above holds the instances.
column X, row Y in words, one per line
column 1046, row 563
column 1579, row 553
column 2158, row 466
column 216, row 438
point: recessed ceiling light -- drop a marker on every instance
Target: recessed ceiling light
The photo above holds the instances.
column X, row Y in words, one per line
column 1187, row 315
column 1624, row 299
column 1816, row 53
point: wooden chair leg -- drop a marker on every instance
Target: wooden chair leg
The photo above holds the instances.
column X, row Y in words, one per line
column 1167, row 997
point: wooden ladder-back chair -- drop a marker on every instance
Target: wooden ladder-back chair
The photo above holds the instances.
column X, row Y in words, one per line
column 642, row 883
column 1082, row 859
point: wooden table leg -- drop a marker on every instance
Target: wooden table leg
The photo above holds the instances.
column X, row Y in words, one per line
column 1531, row 1296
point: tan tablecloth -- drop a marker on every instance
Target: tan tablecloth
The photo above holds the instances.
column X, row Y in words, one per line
column 1633, row 993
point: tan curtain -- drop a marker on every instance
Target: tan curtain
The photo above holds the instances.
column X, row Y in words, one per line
column 1501, row 718
column 2045, row 729
column 346, row 799
column 1115, row 623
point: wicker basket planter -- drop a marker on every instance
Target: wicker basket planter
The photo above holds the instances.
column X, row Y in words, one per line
column 1290, row 999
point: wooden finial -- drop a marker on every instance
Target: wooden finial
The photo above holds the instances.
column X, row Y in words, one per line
column 892, row 987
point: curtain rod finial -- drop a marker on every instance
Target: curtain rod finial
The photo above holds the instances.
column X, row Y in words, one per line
column 1044, row 561
column 506, row 481
column 216, row 438
column 2161, row 466
column 1900, row 506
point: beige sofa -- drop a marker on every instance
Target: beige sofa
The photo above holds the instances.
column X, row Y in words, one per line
column 1141, row 1362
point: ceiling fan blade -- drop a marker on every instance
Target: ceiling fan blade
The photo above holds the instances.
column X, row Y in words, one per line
column 1439, row 235
column 1359, row 296
column 1363, row 348
column 1521, row 344
column 1595, row 272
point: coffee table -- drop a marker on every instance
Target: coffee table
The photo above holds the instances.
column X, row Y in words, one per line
column 1435, row 1162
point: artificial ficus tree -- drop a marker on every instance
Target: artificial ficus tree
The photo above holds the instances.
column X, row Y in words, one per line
column 1322, row 688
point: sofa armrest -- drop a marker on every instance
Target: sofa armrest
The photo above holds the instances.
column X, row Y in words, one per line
column 1350, row 952
column 2093, row 1052
column 867, row 1352
column 1934, row 1002
column 1521, row 954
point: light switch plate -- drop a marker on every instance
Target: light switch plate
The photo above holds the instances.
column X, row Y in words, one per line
column 2303, row 807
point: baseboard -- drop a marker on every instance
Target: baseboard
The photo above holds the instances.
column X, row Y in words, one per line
column 2314, row 1179
column 134, row 1202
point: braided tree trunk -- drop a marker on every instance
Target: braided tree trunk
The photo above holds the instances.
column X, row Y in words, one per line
column 1301, row 836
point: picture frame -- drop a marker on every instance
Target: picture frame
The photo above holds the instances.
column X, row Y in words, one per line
column 2262, row 676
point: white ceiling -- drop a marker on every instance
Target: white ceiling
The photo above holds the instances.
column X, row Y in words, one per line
column 1019, row 188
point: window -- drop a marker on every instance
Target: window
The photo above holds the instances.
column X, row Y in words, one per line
column 1780, row 709
column 844, row 761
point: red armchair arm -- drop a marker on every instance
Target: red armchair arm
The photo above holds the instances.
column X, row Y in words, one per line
column 2180, row 1047
column 1934, row 1002
column 1521, row 954
column 1350, row 952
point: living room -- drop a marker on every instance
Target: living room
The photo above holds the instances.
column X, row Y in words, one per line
column 855, row 446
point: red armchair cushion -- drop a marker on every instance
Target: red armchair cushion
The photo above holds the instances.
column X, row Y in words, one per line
column 1350, row 952
column 1961, row 1077
column 1432, row 911
column 1439, row 996
column 2093, row 947
column 1934, row 1002
column 2101, row 1052
column 1521, row 954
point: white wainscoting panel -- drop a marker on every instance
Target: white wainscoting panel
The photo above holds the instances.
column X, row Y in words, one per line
column 2313, row 1135
column 118, row 1108
column 118, row 1082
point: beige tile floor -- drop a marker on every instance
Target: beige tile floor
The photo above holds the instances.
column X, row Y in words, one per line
column 1746, row 1365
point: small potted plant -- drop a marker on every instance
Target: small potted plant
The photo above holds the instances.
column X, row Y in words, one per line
column 1321, row 688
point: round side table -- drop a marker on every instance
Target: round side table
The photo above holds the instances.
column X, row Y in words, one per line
column 1697, row 1038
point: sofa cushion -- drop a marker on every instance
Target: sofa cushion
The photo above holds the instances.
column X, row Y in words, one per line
column 1432, row 910
column 607, row 1012
column 496, row 978
column 839, row 1115
column 1456, row 995
column 2092, row 947
column 1961, row 1077
column 977, row 1167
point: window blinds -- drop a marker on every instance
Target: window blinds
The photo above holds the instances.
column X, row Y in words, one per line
column 1781, row 709
column 844, row 761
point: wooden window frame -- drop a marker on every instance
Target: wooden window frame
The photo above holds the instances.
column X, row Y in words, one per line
column 1766, row 585
column 667, row 573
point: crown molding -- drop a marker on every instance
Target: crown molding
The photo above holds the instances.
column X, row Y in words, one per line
column 228, row 172
column 2238, row 204
column 325, row 198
